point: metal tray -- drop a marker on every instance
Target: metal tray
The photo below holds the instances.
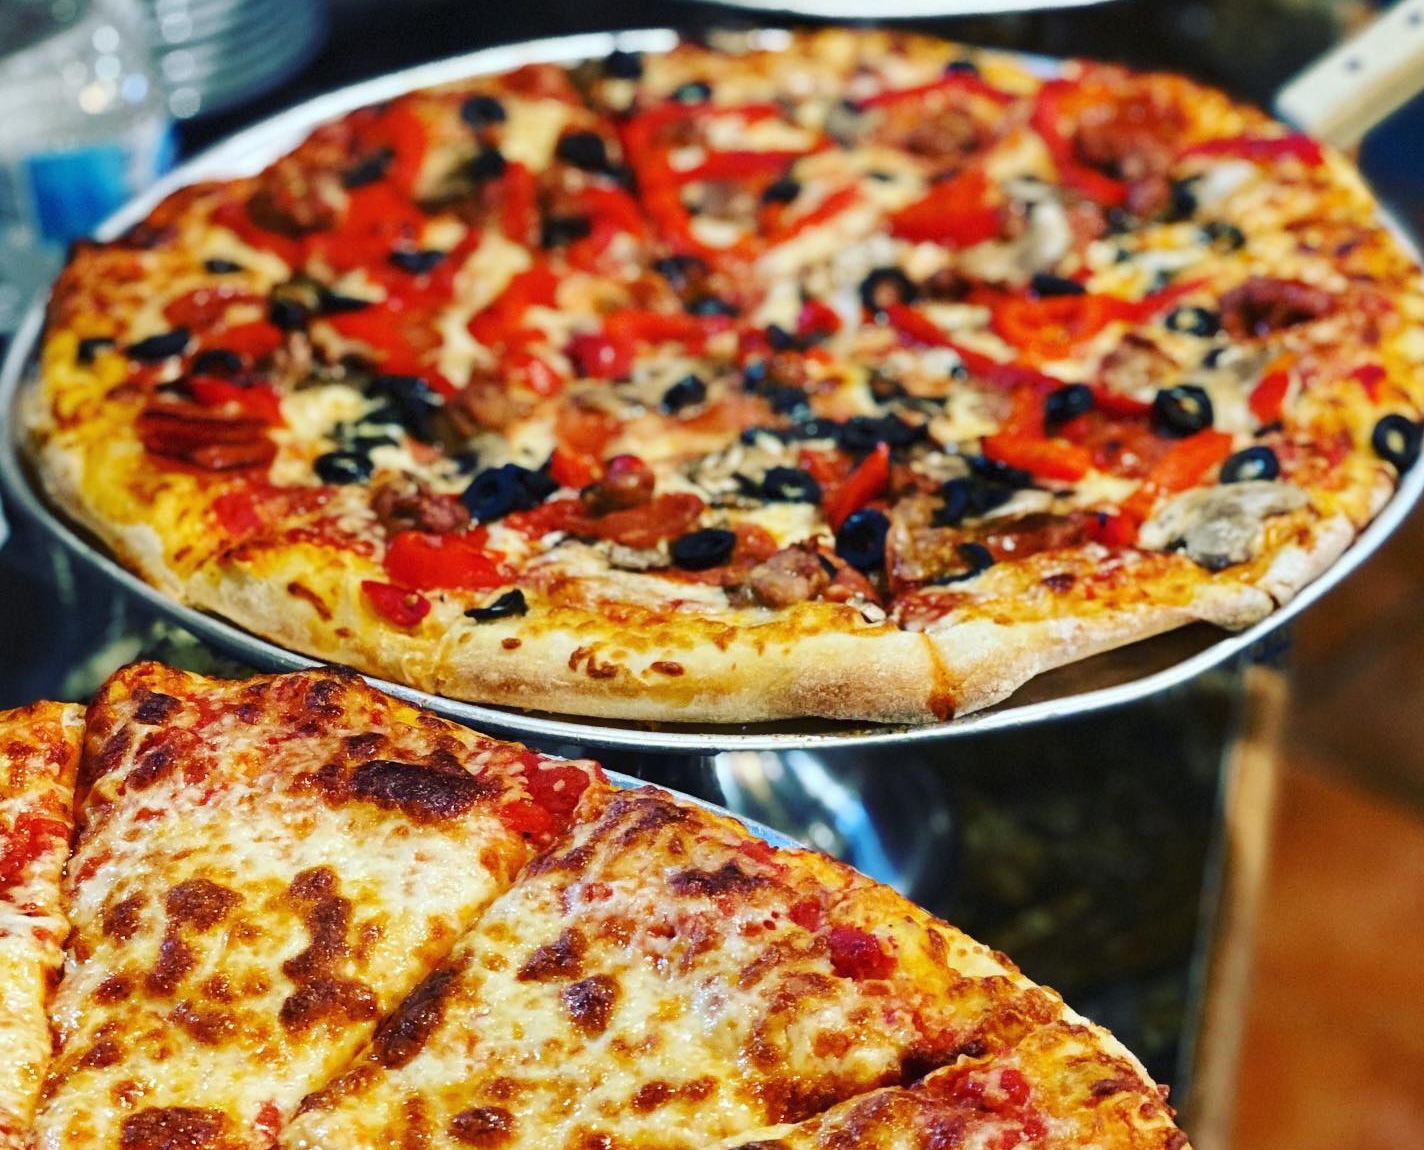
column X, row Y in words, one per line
column 900, row 9
column 1117, row 677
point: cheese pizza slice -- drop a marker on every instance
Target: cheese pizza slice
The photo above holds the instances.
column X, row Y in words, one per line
column 264, row 869
column 39, row 754
column 662, row 978
column 1069, row 1086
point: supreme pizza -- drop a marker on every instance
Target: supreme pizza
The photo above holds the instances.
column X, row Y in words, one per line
column 304, row 915
column 844, row 374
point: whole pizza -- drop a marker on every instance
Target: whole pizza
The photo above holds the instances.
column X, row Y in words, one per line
column 845, row 374
column 293, row 912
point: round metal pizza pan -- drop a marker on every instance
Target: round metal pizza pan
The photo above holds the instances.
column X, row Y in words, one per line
column 1112, row 679
column 761, row 830
column 899, row 9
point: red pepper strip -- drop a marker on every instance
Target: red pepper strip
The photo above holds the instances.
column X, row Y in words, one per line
column 1048, row 119
column 1182, row 466
column 262, row 402
column 396, row 604
column 1116, row 405
column 570, row 469
column 501, row 322
column 920, row 329
column 865, row 483
column 1369, row 376
column 234, row 216
column 207, row 307
column 832, row 206
column 1045, row 458
column 740, row 166
column 1261, row 149
column 956, row 212
column 817, row 319
column 950, row 82
column 661, row 327
column 1117, row 530
column 252, row 341
column 519, row 211
column 523, row 367
column 1051, row 327
column 601, row 357
column 422, row 561
column 402, row 130
column 1268, row 396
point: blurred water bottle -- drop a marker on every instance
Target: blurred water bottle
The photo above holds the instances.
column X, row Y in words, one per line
column 84, row 127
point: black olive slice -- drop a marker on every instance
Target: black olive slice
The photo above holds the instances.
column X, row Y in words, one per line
column 507, row 606
column 583, row 150
column 342, row 467
column 482, row 111
column 216, row 361
column 1043, row 284
column 417, row 263
column 861, row 539
column 1194, row 321
column 1258, row 462
column 1396, row 440
column 488, row 165
column 159, row 347
column 790, row 485
column 700, row 550
column 1181, row 411
column 91, row 347
column 1065, row 403
column 623, row 65
column 885, row 287
column 686, row 392
column 693, row 92
column 497, row 491
column 781, row 191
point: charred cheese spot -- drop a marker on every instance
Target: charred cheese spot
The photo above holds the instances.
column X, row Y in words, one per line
column 322, row 995
column 155, row 707
column 208, row 1027
column 122, row 920
column 562, row 958
column 404, row 1034
column 200, row 903
column 115, row 988
column 590, row 1003
column 483, row 1126
column 420, row 792
column 172, row 1128
column 726, row 879
column 158, row 754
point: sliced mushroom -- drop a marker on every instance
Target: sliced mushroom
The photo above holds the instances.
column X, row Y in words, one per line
column 1219, row 527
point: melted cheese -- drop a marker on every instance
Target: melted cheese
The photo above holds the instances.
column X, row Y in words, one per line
column 656, row 980
column 239, row 931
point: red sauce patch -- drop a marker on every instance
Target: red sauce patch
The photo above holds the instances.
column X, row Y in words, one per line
column 858, row 954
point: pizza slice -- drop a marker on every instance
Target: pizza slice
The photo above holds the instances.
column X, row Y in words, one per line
column 663, row 978
column 1066, row 1086
column 263, row 870
column 39, row 754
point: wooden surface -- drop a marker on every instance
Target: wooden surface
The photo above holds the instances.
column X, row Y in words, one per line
column 1333, row 1048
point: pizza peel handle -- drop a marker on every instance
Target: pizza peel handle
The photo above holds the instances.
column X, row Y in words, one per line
column 1352, row 88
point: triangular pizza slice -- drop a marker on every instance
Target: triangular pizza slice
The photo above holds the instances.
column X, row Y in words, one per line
column 1068, row 1086
column 663, row 978
column 263, row 870
column 39, row 754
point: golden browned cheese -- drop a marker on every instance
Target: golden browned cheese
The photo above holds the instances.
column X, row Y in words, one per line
column 661, row 978
column 39, row 755
column 263, row 870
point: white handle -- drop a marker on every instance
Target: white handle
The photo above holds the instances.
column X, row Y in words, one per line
column 1342, row 96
